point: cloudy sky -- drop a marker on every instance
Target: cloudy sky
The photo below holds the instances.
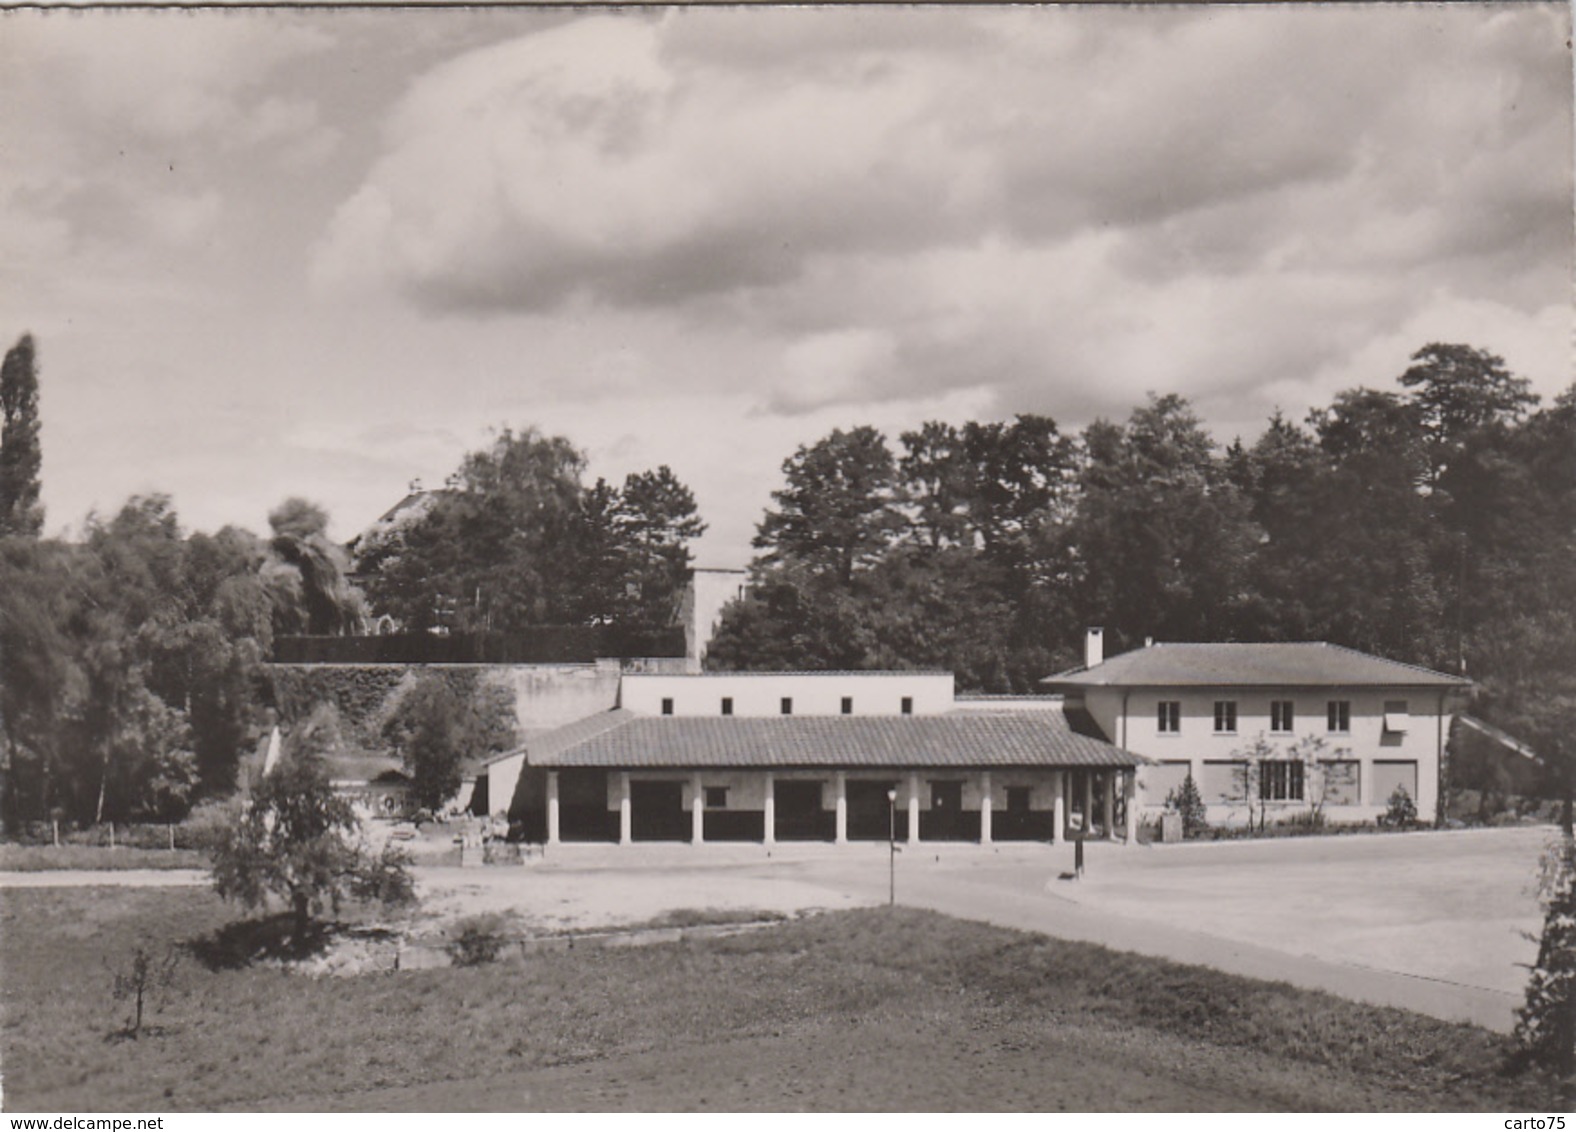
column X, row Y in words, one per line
column 323, row 253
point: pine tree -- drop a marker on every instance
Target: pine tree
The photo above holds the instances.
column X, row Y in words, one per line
column 20, row 455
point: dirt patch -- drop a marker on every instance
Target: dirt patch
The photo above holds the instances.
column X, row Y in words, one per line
column 547, row 901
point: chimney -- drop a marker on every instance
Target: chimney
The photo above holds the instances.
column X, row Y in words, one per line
column 1094, row 647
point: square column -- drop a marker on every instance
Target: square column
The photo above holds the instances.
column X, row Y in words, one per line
column 1059, row 808
column 1130, row 803
column 913, row 809
column 697, row 812
column 624, row 809
column 1088, row 803
column 1365, row 784
column 1108, row 810
column 770, row 807
column 985, row 807
column 552, row 807
column 840, row 785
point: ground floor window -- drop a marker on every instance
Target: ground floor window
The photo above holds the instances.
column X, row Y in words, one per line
column 716, row 797
column 1017, row 799
column 1341, row 782
column 1392, row 773
column 1223, row 781
column 1280, row 782
column 1165, row 778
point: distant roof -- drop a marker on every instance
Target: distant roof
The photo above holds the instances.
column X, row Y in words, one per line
column 801, row 672
column 1284, row 664
column 361, row 766
column 621, row 739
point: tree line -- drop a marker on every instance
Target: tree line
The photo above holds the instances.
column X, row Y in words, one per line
column 132, row 657
column 1432, row 523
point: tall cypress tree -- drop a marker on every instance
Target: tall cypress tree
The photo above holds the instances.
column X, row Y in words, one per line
column 20, row 455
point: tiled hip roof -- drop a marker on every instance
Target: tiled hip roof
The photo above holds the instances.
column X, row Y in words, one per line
column 1029, row 739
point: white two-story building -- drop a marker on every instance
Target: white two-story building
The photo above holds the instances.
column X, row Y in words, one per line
column 1323, row 725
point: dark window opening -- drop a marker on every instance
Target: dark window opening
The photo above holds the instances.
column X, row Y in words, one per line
column 908, row 705
column 716, row 797
column 848, row 705
column 667, row 706
column 727, row 705
column 1280, row 782
column 787, row 705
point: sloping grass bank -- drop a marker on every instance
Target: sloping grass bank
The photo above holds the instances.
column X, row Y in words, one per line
column 873, row 1009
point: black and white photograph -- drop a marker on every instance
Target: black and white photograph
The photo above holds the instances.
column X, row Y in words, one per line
column 794, row 559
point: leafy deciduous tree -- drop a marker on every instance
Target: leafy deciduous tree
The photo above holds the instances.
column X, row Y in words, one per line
column 296, row 839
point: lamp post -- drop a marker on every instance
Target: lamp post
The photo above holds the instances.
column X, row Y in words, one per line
column 891, row 846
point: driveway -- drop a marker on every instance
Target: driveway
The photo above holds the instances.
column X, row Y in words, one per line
column 1434, row 922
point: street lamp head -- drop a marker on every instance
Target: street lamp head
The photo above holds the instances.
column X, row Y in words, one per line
column 891, row 795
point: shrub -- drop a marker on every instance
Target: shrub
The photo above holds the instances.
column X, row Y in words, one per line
column 1187, row 801
column 476, row 940
column 1402, row 811
column 204, row 827
column 1546, row 1024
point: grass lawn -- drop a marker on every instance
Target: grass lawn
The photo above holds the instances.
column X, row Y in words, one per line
column 873, row 1009
column 42, row 858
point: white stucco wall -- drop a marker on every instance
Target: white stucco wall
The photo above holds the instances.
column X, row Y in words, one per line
column 761, row 694
column 1134, row 725
column 709, row 592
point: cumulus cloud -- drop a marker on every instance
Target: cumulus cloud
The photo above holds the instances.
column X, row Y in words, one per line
column 115, row 129
column 1059, row 205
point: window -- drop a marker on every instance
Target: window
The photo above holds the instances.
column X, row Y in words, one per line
column 848, row 705
column 716, row 797
column 1164, row 778
column 1017, row 799
column 667, row 705
column 1225, row 717
column 1342, row 782
column 908, row 705
column 1280, row 782
column 1390, row 775
column 727, row 705
column 1281, row 715
column 1340, row 715
column 1396, row 716
column 1170, row 717
column 787, row 705
column 1223, row 781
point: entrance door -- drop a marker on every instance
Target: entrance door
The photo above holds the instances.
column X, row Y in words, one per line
column 799, row 816
column 946, row 811
column 657, row 812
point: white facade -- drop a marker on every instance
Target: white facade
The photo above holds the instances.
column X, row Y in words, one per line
column 1381, row 738
column 707, row 595
column 755, row 694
